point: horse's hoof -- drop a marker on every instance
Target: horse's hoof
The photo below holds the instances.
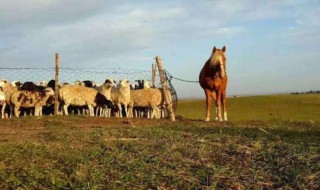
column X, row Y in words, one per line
column 207, row 119
column 225, row 117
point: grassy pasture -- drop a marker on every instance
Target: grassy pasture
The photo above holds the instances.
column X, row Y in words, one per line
column 270, row 142
column 284, row 107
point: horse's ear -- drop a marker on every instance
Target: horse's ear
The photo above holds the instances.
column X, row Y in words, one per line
column 224, row 49
column 214, row 49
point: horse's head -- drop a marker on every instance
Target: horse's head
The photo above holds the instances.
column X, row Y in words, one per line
column 218, row 61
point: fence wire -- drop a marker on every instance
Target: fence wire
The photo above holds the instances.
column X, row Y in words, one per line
column 72, row 75
column 174, row 95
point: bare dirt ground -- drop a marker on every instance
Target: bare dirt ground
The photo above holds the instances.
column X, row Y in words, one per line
column 31, row 128
column 28, row 128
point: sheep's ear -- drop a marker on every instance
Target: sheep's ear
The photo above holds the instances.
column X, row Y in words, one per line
column 48, row 90
column 224, row 49
column 1, row 88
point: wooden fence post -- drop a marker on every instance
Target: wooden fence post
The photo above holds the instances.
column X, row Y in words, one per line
column 56, row 87
column 154, row 67
column 166, row 92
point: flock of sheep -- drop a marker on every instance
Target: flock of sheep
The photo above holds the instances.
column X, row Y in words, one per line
column 109, row 99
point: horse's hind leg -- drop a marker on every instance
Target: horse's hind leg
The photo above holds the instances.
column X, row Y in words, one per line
column 208, row 104
column 224, row 105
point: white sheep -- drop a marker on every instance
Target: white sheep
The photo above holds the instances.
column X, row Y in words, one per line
column 78, row 95
column 141, row 84
column 146, row 84
column 2, row 100
column 8, row 89
column 105, row 89
column 120, row 95
column 28, row 99
column 63, row 83
column 149, row 97
column 86, row 83
column 43, row 83
column 16, row 83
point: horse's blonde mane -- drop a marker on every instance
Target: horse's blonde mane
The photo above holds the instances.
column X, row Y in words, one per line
column 216, row 57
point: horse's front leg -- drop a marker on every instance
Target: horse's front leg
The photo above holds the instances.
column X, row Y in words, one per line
column 218, row 104
column 208, row 104
column 214, row 98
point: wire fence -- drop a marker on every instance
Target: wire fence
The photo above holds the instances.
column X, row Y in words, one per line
column 71, row 75
column 170, row 77
column 43, row 76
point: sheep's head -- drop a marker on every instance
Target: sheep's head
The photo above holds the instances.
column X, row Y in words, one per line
column 109, row 82
column 49, row 91
column 77, row 82
column 63, row 84
column 50, row 101
column 43, row 83
column 3, row 82
column 124, row 83
column 146, row 84
column 110, row 104
column 16, row 83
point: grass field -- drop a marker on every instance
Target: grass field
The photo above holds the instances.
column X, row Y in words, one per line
column 270, row 142
column 284, row 107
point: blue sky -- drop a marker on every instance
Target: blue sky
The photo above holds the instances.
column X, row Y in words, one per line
column 272, row 46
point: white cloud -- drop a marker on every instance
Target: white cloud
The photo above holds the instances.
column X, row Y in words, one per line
column 225, row 31
column 306, row 29
column 102, row 35
column 51, row 11
column 107, row 33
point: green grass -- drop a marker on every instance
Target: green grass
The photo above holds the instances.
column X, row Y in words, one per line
column 284, row 107
column 278, row 151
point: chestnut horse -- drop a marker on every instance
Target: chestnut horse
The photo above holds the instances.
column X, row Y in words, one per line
column 213, row 79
